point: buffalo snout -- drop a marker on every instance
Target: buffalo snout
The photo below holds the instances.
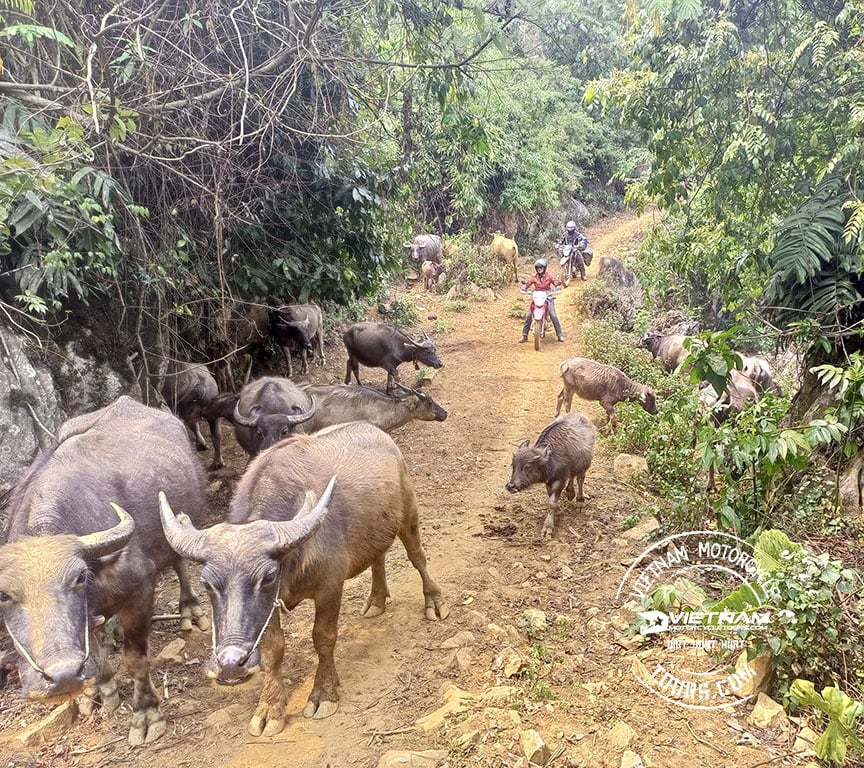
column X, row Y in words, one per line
column 234, row 664
column 61, row 678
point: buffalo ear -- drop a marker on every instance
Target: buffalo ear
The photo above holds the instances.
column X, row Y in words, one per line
column 524, row 444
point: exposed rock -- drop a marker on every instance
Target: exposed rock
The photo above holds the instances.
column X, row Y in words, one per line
column 406, row 758
column 750, row 676
column 627, row 466
column 767, row 713
column 850, row 485
column 459, row 640
column 229, row 717
column 533, row 747
column 50, row 727
column 631, row 760
column 501, row 694
column 535, row 619
column 645, row 526
column 461, row 661
column 174, row 651
column 804, row 742
column 621, row 735
column 27, row 394
column 455, row 700
column 476, row 619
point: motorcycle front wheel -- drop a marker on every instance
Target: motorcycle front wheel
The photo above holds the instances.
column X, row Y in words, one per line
column 539, row 328
column 567, row 274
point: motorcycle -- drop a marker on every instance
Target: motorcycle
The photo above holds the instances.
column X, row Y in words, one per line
column 540, row 312
column 580, row 255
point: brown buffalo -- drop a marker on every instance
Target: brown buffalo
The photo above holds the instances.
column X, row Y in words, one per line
column 280, row 547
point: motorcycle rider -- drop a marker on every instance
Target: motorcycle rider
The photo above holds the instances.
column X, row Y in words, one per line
column 575, row 238
column 542, row 281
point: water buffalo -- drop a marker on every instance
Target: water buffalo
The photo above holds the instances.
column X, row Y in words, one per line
column 425, row 248
column 563, row 453
column 431, row 272
column 505, row 250
column 249, row 331
column 190, row 390
column 377, row 345
column 341, row 403
column 591, row 380
column 299, row 326
column 267, row 410
column 85, row 542
column 668, row 350
column 279, row 548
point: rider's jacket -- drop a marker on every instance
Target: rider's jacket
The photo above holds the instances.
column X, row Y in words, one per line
column 542, row 282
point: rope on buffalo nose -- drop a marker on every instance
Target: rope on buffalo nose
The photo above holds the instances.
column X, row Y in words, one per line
column 32, row 662
column 277, row 603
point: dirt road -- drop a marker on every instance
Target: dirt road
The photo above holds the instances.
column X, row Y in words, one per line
column 572, row 681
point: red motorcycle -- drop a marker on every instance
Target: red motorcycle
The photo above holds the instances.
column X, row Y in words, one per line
column 540, row 301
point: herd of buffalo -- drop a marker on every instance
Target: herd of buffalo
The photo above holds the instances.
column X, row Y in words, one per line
column 122, row 497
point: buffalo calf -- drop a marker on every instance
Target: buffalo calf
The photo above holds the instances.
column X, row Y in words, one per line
column 561, row 455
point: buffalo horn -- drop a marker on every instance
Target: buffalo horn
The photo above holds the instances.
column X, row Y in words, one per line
column 292, row 533
column 299, row 418
column 246, row 421
column 183, row 537
column 103, row 543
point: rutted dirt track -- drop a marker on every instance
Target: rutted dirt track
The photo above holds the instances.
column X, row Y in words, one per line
column 486, row 553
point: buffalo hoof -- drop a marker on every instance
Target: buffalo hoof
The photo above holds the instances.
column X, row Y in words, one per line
column 216, row 465
column 268, row 720
column 193, row 615
column 548, row 527
column 569, row 493
column 321, row 710
column 370, row 611
column 438, row 610
column 147, row 726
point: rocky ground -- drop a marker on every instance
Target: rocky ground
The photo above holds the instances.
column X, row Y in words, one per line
column 533, row 661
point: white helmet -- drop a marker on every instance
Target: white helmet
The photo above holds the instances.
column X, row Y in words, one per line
column 540, row 263
column 571, row 225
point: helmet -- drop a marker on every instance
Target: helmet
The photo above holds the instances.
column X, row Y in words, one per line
column 540, row 263
column 571, row 225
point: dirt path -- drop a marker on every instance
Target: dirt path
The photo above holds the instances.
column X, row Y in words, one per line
column 485, row 550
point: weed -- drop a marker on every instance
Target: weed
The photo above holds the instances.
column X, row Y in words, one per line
column 517, row 310
column 630, row 521
column 442, row 326
column 457, row 305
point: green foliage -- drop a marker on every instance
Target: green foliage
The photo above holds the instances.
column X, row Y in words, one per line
column 402, row 313
column 761, row 185
column 842, row 713
column 457, row 306
column 442, row 326
column 816, row 627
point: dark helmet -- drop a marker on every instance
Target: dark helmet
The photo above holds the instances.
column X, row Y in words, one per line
column 571, row 226
column 540, row 263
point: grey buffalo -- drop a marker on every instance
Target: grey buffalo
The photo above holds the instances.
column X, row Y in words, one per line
column 281, row 546
column 377, row 345
column 268, row 410
column 85, row 542
column 341, row 403
column 425, row 248
column 300, row 327
column 191, row 393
